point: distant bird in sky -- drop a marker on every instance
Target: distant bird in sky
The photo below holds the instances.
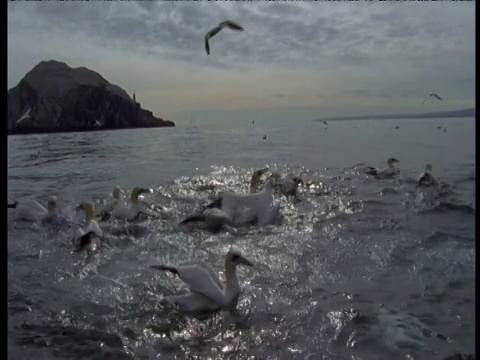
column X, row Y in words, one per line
column 227, row 23
column 432, row 94
column 24, row 116
column 324, row 122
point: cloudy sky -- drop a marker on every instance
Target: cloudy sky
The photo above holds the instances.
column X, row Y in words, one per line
column 295, row 60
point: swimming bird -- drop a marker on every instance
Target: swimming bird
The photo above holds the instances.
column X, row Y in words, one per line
column 207, row 292
column 432, row 95
column 135, row 207
column 259, row 208
column 228, row 24
column 264, row 137
column 32, row 210
column 426, row 178
column 24, row 116
column 115, row 201
column 256, row 179
column 384, row 173
column 88, row 237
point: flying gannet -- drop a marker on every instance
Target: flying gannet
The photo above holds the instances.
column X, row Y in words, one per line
column 228, row 24
column 431, row 95
column 24, row 116
column 207, row 292
column 391, row 171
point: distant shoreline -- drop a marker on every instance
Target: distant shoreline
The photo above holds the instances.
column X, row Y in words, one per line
column 49, row 131
column 470, row 112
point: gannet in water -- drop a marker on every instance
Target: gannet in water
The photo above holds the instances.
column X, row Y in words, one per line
column 207, row 292
column 431, row 94
column 228, row 24
column 88, row 237
column 256, row 180
column 384, row 173
column 24, row 116
column 31, row 210
column 259, row 208
column 116, row 199
column 426, row 178
column 132, row 210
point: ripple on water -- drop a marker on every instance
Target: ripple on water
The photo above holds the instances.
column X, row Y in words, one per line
column 350, row 271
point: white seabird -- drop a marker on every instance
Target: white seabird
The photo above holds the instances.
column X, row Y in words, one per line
column 432, row 95
column 31, row 210
column 391, row 171
column 116, row 200
column 207, row 292
column 228, row 24
column 26, row 115
column 134, row 208
column 426, row 178
column 88, row 237
column 259, row 208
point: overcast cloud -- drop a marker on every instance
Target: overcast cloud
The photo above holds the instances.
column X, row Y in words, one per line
column 295, row 59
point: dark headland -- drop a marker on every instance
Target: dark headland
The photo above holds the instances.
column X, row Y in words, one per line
column 470, row 112
column 65, row 99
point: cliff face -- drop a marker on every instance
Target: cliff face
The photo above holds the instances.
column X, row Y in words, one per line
column 54, row 97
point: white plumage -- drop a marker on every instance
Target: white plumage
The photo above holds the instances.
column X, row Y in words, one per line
column 207, row 292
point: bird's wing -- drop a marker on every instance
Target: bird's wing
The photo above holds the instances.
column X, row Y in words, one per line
column 207, row 46
column 232, row 25
column 213, row 31
column 193, row 218
column 437, row 96
column 33, row 205
column 210, row 271
column 202, row 281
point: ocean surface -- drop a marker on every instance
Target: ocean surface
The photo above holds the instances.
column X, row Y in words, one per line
column 358, row 268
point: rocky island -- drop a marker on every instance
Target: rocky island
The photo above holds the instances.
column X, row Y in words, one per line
column 53, row 97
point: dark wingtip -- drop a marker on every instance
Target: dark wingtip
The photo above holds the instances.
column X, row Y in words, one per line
column 164, row 268
column 193, row 218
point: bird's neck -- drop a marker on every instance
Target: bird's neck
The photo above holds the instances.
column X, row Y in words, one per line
column 391, row 165
column 232, row 288
column 51, row 210
column 88, row 218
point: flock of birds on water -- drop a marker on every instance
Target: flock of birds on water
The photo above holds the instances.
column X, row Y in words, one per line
column 228, row 210
column 225, row 211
